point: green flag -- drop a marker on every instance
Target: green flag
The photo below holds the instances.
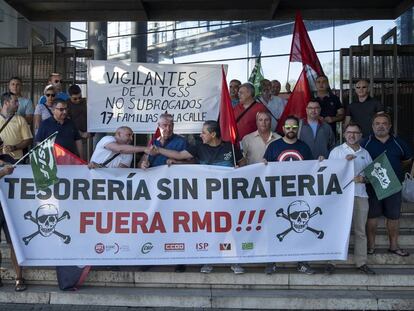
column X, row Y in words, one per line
column 257, row 75
column 43, row 163
column 382, row 177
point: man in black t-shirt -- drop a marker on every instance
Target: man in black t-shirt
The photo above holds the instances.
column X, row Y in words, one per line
column 213, row 151
column 289, row 148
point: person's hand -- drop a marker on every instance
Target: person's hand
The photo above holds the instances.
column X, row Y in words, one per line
column 171, row 162
column 329, row 119
column 151, row 150
column 265, row 162
column 359, row 179
column 92, row 165
column 321, row 158
column 9, row 148
column 350, row 157
column 144, row 164
column 8, row 169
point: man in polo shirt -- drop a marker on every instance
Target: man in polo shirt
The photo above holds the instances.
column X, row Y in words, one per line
column 332, row 110
column 352, row 151
column 68, row 135
column 254, row 144
column 316, row 133
column 16, row 135
column 397, row 151
column 213, row 151
column 26, row 108
column 245, row 111
column 362, row 110
column 56, row 80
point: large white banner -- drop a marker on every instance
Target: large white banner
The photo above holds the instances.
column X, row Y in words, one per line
column 188, row 214
column 135, row 94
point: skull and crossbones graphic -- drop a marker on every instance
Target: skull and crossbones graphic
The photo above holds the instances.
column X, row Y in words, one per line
column 47, row 217
column 299, row 215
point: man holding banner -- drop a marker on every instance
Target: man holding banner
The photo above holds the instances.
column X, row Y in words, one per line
column 352, row 151
column 396, row 151
column 289, row 148
column 213, row 151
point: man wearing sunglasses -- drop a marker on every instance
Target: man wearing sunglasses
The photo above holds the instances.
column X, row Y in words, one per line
column 289, row 148
column 68, row 135
column 364, row 108
column 56, row 80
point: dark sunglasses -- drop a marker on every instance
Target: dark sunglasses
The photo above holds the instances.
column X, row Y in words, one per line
column 48, row 95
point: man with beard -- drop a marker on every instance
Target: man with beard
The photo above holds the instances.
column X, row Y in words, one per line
column 397, row 151
column 289, row 148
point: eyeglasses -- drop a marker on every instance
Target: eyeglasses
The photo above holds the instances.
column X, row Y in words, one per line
column 61, row 109
column 58, row 81
column 361, row 87
column 48, row 95
column 353, row 133
column 291, row 127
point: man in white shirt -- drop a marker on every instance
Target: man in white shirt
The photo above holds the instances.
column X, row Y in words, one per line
column 255, row 144
column 352, row 151
column 115, row 151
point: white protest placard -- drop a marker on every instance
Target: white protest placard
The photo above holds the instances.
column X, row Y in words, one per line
column 184, row 214
column 136, row 94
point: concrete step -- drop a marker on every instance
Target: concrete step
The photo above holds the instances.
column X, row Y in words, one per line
column 212, row 298
column 286, row 277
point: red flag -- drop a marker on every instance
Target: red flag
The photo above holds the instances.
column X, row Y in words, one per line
column 302, row 49
column 65, row 157
column 228, row 125
column 154, row 137
column 297, row 102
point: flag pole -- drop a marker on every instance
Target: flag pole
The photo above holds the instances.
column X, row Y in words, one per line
column 288, row 71
column 33, row 149
column 234, row 155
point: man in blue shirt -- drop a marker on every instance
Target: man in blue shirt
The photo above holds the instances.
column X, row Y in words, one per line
column 68, row 135
column 397, row 151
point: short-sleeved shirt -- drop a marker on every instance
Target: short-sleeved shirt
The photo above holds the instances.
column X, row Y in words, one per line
column 362, row 160
column 246, row 124
column 175, row 142
column 279, row 150
column 362, row 113
column 78, row 114
column 221, row 155
column 330, row 105
column 25, row 107
column 101, row 154
column 396, row 149
column 254, row 147
column 67, row 133
column 14, row 133
column 61, row 95
column 44, row 111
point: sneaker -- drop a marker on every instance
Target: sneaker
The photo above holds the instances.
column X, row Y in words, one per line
column 270, row 268
column 330, row 268
column 237, row 269
column 303, row 267
column 367, row 270
column 206, row 269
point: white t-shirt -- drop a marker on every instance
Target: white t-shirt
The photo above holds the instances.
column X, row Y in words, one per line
column 362, row 160
column 101, row 154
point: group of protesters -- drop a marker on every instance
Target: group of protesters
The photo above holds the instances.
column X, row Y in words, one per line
column 366, row 132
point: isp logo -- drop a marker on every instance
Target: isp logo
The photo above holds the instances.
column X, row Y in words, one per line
column 202, row 247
